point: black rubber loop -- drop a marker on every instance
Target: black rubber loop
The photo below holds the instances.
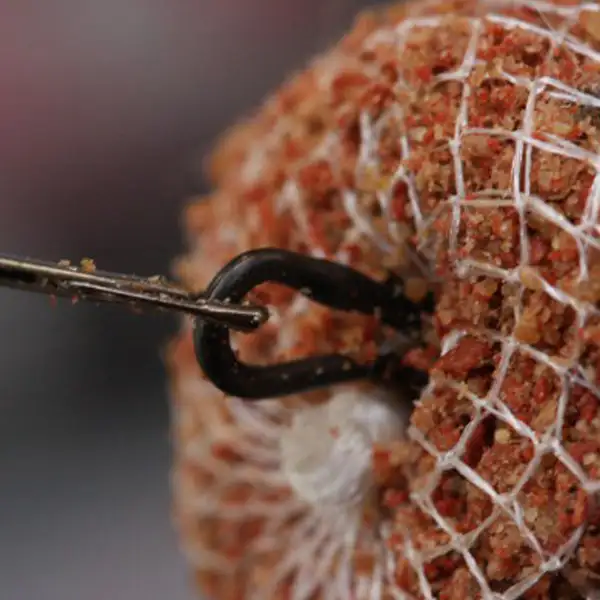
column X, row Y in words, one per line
column 323, row 281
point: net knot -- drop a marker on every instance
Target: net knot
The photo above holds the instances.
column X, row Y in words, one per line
column 327, row 450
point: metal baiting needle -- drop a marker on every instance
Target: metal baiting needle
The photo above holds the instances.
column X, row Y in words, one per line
column 62, row 279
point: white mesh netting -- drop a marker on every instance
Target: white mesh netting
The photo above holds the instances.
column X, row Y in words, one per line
column 467, row 146
column 272, row 541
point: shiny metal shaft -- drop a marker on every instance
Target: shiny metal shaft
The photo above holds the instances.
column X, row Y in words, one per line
column 61, row 279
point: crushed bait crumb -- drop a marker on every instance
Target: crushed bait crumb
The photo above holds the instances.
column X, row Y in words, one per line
column 87, row 265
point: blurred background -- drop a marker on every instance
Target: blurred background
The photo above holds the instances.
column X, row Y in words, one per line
column 105, row 111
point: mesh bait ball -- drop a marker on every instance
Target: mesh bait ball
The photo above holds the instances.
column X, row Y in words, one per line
column 456, row 144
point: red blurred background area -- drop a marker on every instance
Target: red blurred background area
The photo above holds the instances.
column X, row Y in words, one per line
column 94, row 93
column 105, row 110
